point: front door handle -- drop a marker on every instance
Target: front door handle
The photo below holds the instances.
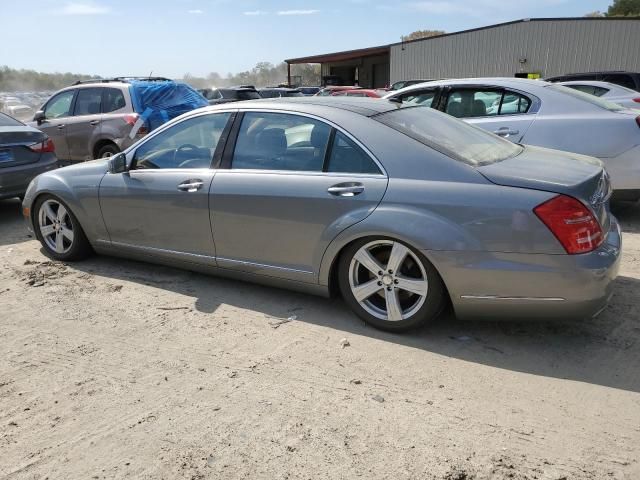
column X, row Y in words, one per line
column 506, row 131
column 94, row 123
column 60, row 127
column 192, row 185
column 346, row 189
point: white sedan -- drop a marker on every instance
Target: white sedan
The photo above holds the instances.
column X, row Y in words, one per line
column 535, row 112
column 609, row 91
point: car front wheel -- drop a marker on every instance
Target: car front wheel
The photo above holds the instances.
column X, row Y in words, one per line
column 390, row 285
column 59, row 231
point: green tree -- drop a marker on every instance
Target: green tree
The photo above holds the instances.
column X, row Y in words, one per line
column 624, row 8
column 423, row 34
column 595, row 14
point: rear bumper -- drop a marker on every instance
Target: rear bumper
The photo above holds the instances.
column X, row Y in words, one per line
column 515, row 286
column 15, row 180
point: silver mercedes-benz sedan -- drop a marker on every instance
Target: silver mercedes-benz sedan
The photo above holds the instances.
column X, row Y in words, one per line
column 398, row 210
column 545, row 114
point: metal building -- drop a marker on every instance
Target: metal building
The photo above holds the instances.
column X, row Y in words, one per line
column 541, row 46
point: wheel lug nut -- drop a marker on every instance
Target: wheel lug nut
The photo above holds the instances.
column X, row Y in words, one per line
column 390, row 271
column 396, row 282
column 389, row 288
column 379, row 284
column 380, row 272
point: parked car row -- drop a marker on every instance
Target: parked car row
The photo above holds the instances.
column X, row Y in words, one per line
column 540, row 113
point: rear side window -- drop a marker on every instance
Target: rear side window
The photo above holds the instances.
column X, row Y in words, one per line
column 7, row 121
column 590, row 89
column 88, row 101
column 347, row 157
column 514, row 103
column 278, row 141
column 112, row 100
column 452, row 137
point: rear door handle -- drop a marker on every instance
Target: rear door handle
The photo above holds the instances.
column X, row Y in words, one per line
column 60, row 127
column 94, row 123
column 192, row 185
column 346, row 189
column 506, row 131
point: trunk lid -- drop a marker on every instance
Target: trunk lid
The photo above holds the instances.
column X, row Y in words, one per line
column 14, row 145
column 537, row 168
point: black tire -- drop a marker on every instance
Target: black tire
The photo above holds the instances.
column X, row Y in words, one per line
column 78, row 249
column 432, row 306
column 108, row 150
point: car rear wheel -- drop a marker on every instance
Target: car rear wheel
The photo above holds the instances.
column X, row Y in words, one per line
column 108, row 150
column 59, row 231
column 390, row 285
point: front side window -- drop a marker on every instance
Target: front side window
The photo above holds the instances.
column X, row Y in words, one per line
column 420, row 98
column 456, row 139
column 466, row 103
column 112, row 100
column 188, row 144
column 88, row 101
column 60, row 105
column 347, row 157
column 278, row 141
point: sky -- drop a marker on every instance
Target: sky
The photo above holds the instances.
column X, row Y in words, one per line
column 174, row 37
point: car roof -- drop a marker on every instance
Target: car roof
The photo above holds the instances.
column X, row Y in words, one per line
column 363, row 106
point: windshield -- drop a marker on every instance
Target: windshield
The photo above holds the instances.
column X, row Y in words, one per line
column 450, row 136
column 597, row 101
column 7, row 121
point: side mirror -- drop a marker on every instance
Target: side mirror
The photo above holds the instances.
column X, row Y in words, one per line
column 39, row 117
column 118, row 163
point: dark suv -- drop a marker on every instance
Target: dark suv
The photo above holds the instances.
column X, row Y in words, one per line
column 216, row 96
column 625, row 79
column 99, row 118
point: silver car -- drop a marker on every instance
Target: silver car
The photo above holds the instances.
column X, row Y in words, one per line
column 608, row 91
column 398, row 210
column 549, row 115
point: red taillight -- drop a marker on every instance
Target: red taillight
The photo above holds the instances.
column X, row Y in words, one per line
column 638, row 120
column 46, row 146
column 131, row 119
column 637, row 100
column 572, row 223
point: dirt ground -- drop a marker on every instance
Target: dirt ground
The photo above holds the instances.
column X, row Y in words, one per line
column 117, row 369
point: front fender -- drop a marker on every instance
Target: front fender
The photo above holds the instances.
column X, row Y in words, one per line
column 79, row 191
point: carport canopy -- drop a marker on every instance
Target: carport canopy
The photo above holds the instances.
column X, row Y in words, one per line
column 337, row 57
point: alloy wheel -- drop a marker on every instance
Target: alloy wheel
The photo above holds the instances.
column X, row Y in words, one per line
column 388, row 280
column 56, row 226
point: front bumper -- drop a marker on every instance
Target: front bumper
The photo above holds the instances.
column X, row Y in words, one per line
column 14, row 180
column 516, row 286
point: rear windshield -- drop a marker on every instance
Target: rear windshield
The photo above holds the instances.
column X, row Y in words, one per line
column 598, row 102
column 7, row 121
column 450, row 136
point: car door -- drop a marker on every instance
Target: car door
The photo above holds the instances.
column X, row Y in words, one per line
column 160, row 206
column 83, row 126
column 57, row 112
column 289, row 184
column 506, row 113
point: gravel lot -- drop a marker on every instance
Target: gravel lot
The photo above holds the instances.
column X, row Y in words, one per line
column 117, row 369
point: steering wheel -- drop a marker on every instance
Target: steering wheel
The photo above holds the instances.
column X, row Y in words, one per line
column 186, row 147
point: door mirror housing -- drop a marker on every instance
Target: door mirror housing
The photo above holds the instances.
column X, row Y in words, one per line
column 118, row 163
column 39, row 117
